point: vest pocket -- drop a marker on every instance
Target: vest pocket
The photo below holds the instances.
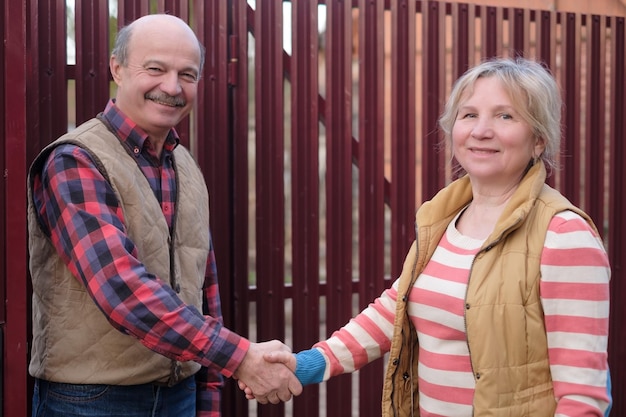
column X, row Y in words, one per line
column 536, row 391
column 535, row 394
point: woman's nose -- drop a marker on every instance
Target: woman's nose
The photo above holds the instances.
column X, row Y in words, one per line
column 483, row 128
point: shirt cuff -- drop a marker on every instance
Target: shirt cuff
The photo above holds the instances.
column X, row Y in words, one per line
column 310, row 366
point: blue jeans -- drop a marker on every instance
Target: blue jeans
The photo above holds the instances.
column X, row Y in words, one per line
column 53, row 399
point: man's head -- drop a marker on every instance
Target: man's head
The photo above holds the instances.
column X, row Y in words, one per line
column 156, row 63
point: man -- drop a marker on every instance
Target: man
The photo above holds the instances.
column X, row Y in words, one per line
column 121, row 256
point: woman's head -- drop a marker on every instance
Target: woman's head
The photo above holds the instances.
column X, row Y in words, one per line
column 533, row 92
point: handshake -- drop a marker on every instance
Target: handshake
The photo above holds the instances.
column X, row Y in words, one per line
column 267, row 373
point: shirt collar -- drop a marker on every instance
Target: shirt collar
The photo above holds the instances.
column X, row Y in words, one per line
column 130, row 133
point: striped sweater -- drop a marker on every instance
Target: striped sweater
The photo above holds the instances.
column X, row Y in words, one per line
column 575, row 298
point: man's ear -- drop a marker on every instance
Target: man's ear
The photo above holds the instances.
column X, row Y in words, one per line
column 116, row 69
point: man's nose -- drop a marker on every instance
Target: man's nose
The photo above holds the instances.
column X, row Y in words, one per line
column 171, row 84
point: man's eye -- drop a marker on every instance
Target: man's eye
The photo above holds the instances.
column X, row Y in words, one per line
column 154, row 69
column 189, row 76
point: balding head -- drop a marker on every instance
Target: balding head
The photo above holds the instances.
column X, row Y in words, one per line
column 147, row 24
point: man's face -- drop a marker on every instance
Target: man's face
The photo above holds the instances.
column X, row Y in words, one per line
column 158, row 85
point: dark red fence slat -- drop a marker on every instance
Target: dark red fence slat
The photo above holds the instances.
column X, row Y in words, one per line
column 491, row 31
column 129, row 10
column 337, row 115
column 519, row 22
column 545, row 35
column 49, row 90
column 214, row 150
column 305, row 188
column 463, row 38
column 570, row 81
column 371, row 181
column 403, row 131
column 3, row 196
column 15, row 78
column 178, row 8
column 595, row 124
column 270, row 200
column 617, row 207
column 92, row 59
column 433, row 74
column 228, row 181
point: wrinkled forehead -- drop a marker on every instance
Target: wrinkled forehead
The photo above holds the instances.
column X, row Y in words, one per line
column 154, row 47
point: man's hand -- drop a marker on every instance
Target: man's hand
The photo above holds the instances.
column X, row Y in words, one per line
column 279, row 356
column 264, row 380
column 282, row 356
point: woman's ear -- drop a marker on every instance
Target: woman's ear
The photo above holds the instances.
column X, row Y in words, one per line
column 540, row 146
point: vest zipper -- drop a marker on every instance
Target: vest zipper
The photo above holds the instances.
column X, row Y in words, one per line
column 393, row 376
column 175, row 366
column 481, row 251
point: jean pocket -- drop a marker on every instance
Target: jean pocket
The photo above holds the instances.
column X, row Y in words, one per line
column 189, row 384
column 76, row 392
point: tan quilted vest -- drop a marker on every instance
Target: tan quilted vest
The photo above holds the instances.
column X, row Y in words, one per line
column 510, row 367
column 72, row 340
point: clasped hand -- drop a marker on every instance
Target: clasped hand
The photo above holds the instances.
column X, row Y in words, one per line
column 266, row 373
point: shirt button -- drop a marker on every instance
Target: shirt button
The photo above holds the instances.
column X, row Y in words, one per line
column 136, row 150
column 396, row 361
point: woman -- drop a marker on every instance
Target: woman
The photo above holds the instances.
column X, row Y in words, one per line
column 502, row 305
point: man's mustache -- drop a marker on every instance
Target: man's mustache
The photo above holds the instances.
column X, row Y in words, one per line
column 166, row 99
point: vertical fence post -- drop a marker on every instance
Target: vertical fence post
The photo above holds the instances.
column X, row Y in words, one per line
column 433, row 77
column 403, row 131
column 92, row 59
column 305, row 187
column 270, row 196
column 371, row 181
column 15, row 308
column 337, row 115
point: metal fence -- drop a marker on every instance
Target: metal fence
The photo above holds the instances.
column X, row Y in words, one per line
column 317, row 149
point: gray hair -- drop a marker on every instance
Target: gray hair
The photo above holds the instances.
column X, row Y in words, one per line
column 533, row 91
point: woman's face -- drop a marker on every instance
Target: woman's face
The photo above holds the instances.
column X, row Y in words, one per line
column 490, row 139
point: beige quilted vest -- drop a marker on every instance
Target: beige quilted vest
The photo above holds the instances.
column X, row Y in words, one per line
column 72, row 340
column 510, row 367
